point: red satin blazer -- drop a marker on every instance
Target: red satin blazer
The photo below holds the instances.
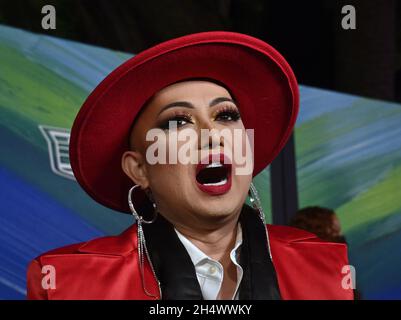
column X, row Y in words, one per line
column 107, row 268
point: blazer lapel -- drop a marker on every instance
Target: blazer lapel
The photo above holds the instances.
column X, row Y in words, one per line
column 171, row 261
column 259, row 281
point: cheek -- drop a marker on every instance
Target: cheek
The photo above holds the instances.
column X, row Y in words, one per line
column 242, row 182
column 168, row 180
column 169, row 175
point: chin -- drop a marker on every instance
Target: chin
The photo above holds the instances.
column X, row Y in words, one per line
column 218, row 206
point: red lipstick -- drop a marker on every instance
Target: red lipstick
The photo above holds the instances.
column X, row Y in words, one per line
column 213, row 174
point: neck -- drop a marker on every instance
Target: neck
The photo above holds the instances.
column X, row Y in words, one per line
column 216, row 242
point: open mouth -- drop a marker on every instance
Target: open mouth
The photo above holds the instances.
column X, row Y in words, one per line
column 215, row 177
column 214, row 174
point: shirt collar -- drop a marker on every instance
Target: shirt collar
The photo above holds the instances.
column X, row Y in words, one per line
column 197, row 255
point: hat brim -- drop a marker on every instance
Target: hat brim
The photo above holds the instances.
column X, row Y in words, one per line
column 260, row 79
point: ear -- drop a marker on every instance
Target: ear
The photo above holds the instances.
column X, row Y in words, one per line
column 133, row 165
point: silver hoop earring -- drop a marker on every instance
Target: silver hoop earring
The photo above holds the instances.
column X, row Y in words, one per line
column 139, row 218
column 257, row 205
column 142, row 249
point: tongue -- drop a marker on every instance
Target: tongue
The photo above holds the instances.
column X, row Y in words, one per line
column 211, row 175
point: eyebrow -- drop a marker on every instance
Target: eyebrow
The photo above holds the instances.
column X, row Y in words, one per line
column 187, row 104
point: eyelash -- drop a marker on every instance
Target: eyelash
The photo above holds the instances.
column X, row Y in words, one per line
column 230, row 111
column 224, row 111
column 178, row 116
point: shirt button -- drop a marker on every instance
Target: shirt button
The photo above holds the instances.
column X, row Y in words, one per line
column 212, row 269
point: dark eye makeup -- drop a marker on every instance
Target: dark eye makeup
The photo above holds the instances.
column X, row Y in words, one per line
column 225, row 113
column 178, row 119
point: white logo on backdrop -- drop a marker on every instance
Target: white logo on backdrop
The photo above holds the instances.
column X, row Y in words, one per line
column 58, row 140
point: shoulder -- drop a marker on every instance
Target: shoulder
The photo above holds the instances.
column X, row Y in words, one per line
column 114, row 245
column 107, row 264
column 76, row 262
column 71, row 255
column 288, row 234
column 286, row 240
column 308, row 267
column 284, row 236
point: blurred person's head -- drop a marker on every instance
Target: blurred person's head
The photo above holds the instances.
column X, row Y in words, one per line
column 323, row 222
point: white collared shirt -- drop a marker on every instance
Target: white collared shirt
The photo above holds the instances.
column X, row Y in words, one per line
column 210, row 272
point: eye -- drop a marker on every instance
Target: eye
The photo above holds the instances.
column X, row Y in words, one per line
column 178, row 120
column 228, row 115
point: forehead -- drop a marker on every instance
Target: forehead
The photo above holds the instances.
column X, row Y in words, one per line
column 190, row 90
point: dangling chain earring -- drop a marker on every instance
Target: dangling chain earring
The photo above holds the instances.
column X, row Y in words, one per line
column 141, row 240
column 256, row 204
column 255, row 201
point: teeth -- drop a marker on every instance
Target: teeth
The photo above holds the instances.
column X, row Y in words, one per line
column 214, row 165
column 220, row 183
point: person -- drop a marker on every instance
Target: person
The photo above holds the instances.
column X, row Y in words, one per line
column 163, row 138
column 320, row 221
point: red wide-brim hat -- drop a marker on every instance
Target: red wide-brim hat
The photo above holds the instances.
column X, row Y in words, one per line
column 258, row 77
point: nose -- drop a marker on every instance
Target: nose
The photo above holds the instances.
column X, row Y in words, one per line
column 209, row 136
column 215, row 140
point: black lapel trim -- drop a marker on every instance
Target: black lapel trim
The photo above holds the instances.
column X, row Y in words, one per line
column 259, row 280
column 171, row 261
